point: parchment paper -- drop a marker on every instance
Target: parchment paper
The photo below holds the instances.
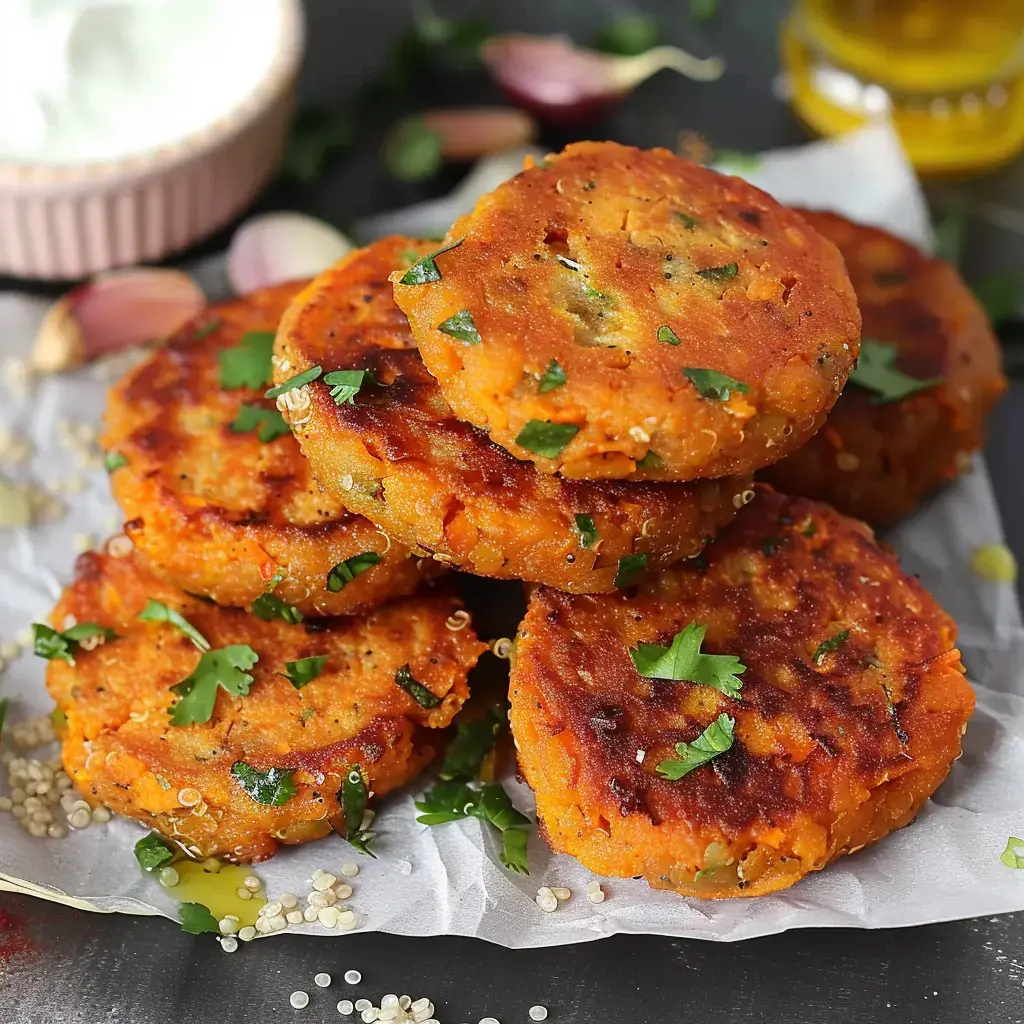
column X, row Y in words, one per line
column 946, row 865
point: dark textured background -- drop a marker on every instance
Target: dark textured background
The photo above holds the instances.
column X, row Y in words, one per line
column 58, row 966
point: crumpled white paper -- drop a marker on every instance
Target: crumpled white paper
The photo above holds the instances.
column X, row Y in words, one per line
column 945, row 866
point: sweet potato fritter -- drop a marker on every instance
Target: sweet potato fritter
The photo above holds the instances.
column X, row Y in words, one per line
column 219, row 512
column 851, row 712
column 397, row 454
column 644, row 278
column 121, row 749
column 876, row 461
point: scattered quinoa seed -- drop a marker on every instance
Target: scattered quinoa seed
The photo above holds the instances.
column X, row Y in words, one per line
column 349, row 869
column 322, row 980
column 300, row 1000
column 538, row 1013
column 346, row 1007
column 353, row 977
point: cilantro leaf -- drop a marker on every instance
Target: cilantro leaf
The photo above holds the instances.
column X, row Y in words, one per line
column 684, row 661
column 352, row 799
column 723, row 273
column 50, row 644
column 197, row 919
column 152, row 852
column 716, row 739
column 631, row 568
column 712, row 384
column 586, row 530
column 668, row 336
column 688, row 222
column 1010, row 857
column 735, row 161
column 268, row 423
column 302, row 672
column 832, row 644
column 292, row 383
column 876, row 371
column 554, row 377
column 273, row 787
column 652, row 460
column 424, row 270
column 345, row 572
column 543, row 437
column 157, row 611
column 346, row 384
column 414, row 151
column 222, row 668
column 114, row 460
column 513, row 849
column 247, row 364
column 269, row 606
column 419, row 693
column 474, row 740
column 444, row 802
column 461, row 326
column 628, row 35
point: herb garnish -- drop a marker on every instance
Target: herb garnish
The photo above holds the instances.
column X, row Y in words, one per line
column 542, row 437
column 302, row 672
column 268, row 423
column 114, row 460
column 152, row 852
column 554, row 377
column 269, row 606
column 345, row 572
column 50, row 644
column 273, row 787
column 668, row 336
column 298, row 381
column 631, row 568
column 352, row 799
column 157, row 611
column 876, row 371
column 716, row 739
column 222, row 668
column 247, row 364
column 724, row 273
column 652, row 460
column 683, row 660
column 832, row 644
column 413, row 152
column 197, row 919
column 461, row 326
column 473, row 742
column 771, row 545
column 346, row 384
column 1009, row 856
column 424, row 270
column 419, row 693
column 586, row 530
column 688, row 222
column 712, row 384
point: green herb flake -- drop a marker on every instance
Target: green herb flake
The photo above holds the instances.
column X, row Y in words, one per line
column 721, row 274
column 771, row 545
column 716, row 739
column 345, row 572
column 461, row 326
column 628, row 35
column 52, row 645
column 714, row 385
column 247, row 364
column 652, row 460
column 1010, row 857
column 274, row 787
column 554, row 377
column 810, row 529
column 352, row 798
column 346, row 384
column 157, row 611
column 298, row 381
column 268, row 423
column 414, row 151
column 586, row 530
column 269, row 607
column 302, row 672
column 114, row 460
column 152, row 852
column 876, row 372
column 735, row 161
column 631, row 568
column 419, row 693
column 592, row 293
column 424, row 270
column 474, row 740
column 830, row 645
column 542, row 437
column 667, row 336
column 683, row 661
column 225, row 668
column 197, row 919
column 688, row 222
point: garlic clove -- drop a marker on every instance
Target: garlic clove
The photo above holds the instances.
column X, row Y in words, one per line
column 468, row 133
column 273, row 248
column 114, row 311
column 561, row 82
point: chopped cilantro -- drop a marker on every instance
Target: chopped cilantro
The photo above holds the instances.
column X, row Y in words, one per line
column 723, row 273
column 652, row 460
column 832, row 644
column 247, row 364
column 269, row 606
column 542, row 437
column 197, row 919
column 716, row 739
column 273, row 787
column 586, row 530
column 667, row 335
column 222, row 668
column 1010, row 857
column 268, row 423
column 688, row 222
column 592, row 293
column 876, row 372
column 473, row 741
column 771, row 545
column 461, row 326
column 413, row 152
column 345, row 572
column 298, row 381
column 346, row 384
column 810, row 529
column 554, row 377
column 152, row 852
column 419, row 693
column 712, row 384
column 352, row 799
column 50, row 644
column 424, row 270
column 684, row 661
column 114, row 460
column 305, row 670
column 736, row 161
column 157, row 611
column 631, row 568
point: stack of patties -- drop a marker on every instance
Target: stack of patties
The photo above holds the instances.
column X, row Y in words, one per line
column 575, row 389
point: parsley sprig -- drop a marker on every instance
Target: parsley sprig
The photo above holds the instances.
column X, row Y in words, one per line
column 268, row 423
column 684, row 661
column 225, row 669
column 247, row 364
column 63, row 646
column 157, row 611
column 716, row 739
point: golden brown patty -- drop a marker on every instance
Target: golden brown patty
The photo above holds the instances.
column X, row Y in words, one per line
column 851, row 710
column 220, row 512
column 122, row 750
column 636, row 273
column 398, row 455
column 876, row 461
